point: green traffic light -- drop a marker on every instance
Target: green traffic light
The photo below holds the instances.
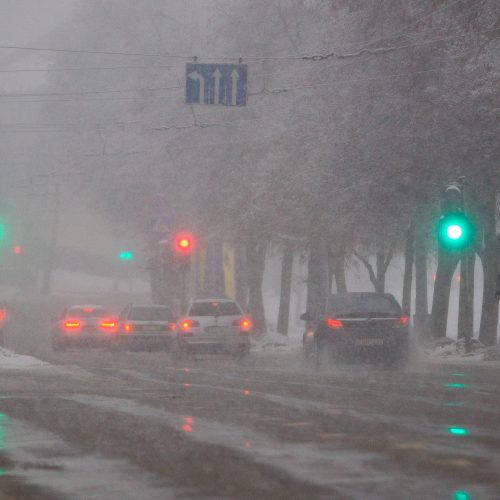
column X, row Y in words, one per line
column 455, row 231
column 126, row 256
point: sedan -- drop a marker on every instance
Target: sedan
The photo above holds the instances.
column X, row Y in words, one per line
column 84, row 326
column 146, row 327
column 361, row 326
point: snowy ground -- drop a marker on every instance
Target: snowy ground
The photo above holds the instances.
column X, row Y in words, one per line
column 12, row 361
column 451, row 349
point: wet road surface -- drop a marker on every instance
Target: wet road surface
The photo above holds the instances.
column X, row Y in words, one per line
column 99, row 424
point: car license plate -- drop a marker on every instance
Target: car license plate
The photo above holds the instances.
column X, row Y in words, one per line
column 369, row 342
column 214, row 329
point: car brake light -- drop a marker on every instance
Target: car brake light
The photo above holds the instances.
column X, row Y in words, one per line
column 402, row 321
column 109, row 325
column 187, row 324
column 71, row 324
column 128, row 328
column 333, row 323
column 88, row 310
column 3, row 315
column 244, row 323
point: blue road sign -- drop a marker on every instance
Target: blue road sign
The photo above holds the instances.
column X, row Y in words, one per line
column 224, row 84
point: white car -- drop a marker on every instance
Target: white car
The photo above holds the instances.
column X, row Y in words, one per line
column 214, row 325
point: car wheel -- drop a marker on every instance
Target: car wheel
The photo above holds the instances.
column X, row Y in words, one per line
column 322, row 355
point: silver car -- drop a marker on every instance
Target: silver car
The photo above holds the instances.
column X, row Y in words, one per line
column 214, row 325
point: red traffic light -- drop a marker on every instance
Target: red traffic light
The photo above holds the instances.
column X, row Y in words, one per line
column 184, row 243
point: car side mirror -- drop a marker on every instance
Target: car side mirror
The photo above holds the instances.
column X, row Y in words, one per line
column 306, row 317
column 497, row 290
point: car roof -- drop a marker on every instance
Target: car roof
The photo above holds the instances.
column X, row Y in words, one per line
column 81, row 306
column 150, row 306
column 213, row 299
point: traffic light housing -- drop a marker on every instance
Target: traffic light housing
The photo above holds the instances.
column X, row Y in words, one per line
column 455, row 231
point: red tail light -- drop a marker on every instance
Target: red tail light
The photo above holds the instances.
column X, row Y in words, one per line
column 71, row 325
column 128, row 328
column 187, row 324
column 245, row 324
column 3, row 315
column 402, row 321
column 109, row 325
column 171, row 327
column 333, row 323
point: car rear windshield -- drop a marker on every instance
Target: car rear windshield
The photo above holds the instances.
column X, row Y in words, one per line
column 364, row 303
column 150, row 314
column 87, row 312
column 214, row 308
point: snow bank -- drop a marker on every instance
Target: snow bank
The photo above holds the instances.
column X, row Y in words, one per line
column 447, row 348
column 11, row 361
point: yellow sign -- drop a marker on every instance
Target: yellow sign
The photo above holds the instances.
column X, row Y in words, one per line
column 228, row 263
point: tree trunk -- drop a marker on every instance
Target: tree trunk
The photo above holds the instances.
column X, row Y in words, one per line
column 317, row 277
column 421, row 300
column 380, row 283
column 241, row 275
column 491, row 267
column 408, row 272
column 256, row 259
column 447, row 262
column 466, row 297
column 377, row 277
column 338, row 269
column 286, row 287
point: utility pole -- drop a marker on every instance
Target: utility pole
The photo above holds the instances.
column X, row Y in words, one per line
column 46, row 284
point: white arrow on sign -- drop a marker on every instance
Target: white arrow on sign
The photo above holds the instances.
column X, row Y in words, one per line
column 235, row 76
column 217, row 76
column 199, row 77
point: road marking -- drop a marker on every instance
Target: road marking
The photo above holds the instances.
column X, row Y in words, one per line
column 332, row 435
column 458, row 462
column 410, row 446
column 297, row 424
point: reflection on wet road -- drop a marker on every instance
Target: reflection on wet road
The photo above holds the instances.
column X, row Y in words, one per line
column 272, row 426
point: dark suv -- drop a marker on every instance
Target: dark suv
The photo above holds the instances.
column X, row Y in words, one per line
column 368, row 326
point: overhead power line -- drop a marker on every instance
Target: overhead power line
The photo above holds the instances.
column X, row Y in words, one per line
column 91, row 92
column 312, row 57
column 404, row 29
column 83, row 68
